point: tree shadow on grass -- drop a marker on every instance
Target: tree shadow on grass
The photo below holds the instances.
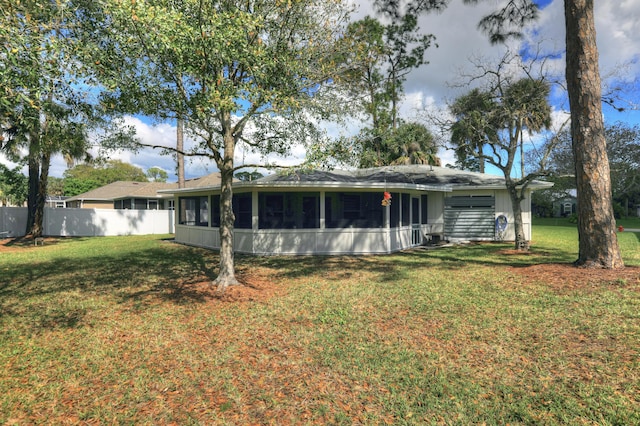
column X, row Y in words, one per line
column 53, row 293
column 332, row 268
column 395, row 266
column 488, row 254
column 45, row 293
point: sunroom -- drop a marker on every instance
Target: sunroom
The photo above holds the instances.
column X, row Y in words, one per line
column 365, row 211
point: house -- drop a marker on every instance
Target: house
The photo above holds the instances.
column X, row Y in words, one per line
column 135, row 195
column 364, row 211
column 565, row 206
column 55, row 201
column 123, row 195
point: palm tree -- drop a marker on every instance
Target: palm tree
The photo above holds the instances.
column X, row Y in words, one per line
column 525, row 101
column 475, row 127
column 412, row 143
column 499, row 119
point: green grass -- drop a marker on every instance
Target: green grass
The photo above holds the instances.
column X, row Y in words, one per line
column 560, row 236
column 119, row 331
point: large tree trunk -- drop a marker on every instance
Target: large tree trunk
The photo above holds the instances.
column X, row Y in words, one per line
column 598, row 243
column 41, row 198
column 34, row 178
column 226, row 275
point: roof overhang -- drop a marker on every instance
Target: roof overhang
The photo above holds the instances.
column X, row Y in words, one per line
column 420, row 178
column 315, row 186
column 141, row 197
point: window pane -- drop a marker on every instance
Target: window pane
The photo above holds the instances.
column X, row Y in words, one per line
column 425, row 215
column 394, row 219
column 187, row 211
column 288, row 210
column 353, row 210
column 203, row 219
column 140, row 204
column 242, row 211
column 311, row 211
column 415, row 210
column 215, row 211
column 406, row 213
column 271, row 211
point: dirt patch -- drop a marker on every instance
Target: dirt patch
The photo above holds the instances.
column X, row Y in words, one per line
column 8, row 245
column 259, row 285
column 564, row 277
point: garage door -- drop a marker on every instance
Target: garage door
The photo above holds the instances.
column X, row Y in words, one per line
column 469, row 217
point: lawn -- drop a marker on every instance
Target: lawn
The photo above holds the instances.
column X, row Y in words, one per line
column 125, row 330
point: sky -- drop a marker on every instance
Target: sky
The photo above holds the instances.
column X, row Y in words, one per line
column 430, row 87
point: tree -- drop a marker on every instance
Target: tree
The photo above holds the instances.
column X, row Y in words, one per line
column 44, row 106
column 474, row 128
column 598, row 243
column 72, row 186
column 243, row 72
column 504, row 114
column 13, row 186
column 156, row 174
column 88, row 176
column 526, row 101
column 623, row 152
column 411, row 143
column 105, row 172
column 380, row 58
column 55, row 187
column 37, row 104
column 248, row 176
column 366, row 80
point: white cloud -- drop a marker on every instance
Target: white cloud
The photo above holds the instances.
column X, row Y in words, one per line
column 618, row 35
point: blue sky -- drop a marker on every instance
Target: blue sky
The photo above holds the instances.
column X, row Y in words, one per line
column 430, row 87
column 543, row 3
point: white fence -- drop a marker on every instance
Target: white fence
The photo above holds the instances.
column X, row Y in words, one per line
column 89, row 222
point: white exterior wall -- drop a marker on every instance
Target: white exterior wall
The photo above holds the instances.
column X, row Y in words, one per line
column 400, row 238
column 90, row 222
column 289, row 241
column 320, row 241
column 345, row 240
column 503, row 207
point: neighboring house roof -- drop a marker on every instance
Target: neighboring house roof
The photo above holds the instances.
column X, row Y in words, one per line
column 126, row 189
column 424, row 177
column 123, row 189
column 211, row 179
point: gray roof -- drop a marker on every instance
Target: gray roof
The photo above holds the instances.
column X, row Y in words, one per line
column 128, row 189
column 423, row 177
column 123, row 189
column 412, row 174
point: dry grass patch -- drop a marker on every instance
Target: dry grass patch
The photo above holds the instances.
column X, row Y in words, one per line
column 459, row 335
